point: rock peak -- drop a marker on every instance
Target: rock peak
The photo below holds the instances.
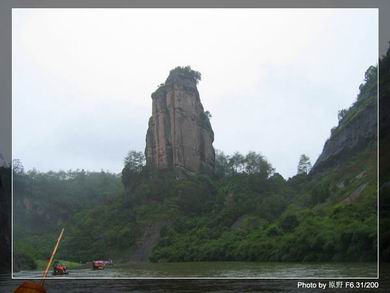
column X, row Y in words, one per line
column 179, row 135
column 180, row 73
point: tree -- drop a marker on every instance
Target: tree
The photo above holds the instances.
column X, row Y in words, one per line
column 341, row 114
column 237, row 163
column 221, row 163
column 185, row 73
column 304, row 165
column 368, row 88
column 17, row 166
column 370, row 73
column 256, row 164
column 131, row 173
column 251, row 163
column 135, row 161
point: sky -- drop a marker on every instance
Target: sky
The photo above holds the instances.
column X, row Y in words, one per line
column 272, row 79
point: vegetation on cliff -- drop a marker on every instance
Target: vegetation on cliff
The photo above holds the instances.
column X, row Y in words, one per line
column 184, row 73
column 239, row 215
column 244, row 211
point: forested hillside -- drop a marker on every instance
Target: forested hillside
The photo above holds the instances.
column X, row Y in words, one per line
column 44, row 202
column 244, row 211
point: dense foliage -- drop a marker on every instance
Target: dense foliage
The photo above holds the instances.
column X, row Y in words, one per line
column 270, row 219
column 185, row 76
column 245, row 211
column 45, row 202
column 249, row 213
column 184, row 73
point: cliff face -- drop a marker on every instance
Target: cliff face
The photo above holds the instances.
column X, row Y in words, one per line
column 352, row 137
column 356, row 130
column 179, row 136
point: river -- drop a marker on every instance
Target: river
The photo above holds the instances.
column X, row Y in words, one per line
column 265, row 270
column 87, row 280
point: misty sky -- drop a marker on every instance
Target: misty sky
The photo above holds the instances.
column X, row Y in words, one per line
column 273, row 79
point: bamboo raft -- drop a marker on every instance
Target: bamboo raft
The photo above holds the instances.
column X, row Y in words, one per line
column 32, row 287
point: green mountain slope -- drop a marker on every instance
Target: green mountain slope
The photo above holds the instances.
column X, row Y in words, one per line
column 245, row 211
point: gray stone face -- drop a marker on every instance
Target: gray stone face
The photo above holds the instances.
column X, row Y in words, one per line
column 179, row 135
column 357, row 134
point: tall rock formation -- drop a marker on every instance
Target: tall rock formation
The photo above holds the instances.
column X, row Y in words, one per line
column 179, row 136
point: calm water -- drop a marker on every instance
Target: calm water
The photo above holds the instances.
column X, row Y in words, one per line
column 202, row 269
column 221, row 270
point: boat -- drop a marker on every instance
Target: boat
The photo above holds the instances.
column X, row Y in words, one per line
column 59, row 269
column 98, row 264
column 32, row 287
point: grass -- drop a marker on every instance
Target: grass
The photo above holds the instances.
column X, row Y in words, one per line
column 41, row 264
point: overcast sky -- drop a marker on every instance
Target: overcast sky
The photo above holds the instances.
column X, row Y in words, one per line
column 273, row 79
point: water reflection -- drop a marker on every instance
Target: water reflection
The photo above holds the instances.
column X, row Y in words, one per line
column 221, row 270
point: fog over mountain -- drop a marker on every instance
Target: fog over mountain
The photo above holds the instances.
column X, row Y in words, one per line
column 272, row 79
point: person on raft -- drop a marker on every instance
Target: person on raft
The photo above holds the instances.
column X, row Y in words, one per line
column 59, row 268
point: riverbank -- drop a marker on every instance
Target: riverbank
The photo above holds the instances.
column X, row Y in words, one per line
column 41, row 264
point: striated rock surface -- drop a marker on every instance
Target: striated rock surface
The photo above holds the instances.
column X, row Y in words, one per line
column 179, row 135
column 355, row 132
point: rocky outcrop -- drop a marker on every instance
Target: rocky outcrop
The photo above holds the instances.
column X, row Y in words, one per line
column 179, row 135
column 350, row 136
column 148, row 241
column 355, row 194
column 357, row 127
